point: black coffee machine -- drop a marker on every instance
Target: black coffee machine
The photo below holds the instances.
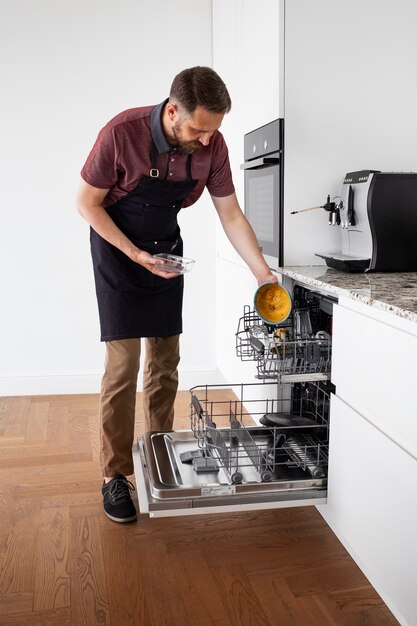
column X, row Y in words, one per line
column 376, row 213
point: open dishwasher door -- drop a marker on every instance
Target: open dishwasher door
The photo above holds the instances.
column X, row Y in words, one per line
column 250, row 446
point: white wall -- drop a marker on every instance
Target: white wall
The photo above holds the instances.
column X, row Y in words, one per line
column 67, row 67
column 350, row 104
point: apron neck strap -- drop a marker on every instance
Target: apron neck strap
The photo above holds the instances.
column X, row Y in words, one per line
column 188, row 166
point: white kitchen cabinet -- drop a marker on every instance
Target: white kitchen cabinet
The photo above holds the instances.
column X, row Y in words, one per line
column 374, row 367
column 372, row 496
column 235, row 288
column 247, row 53
column 261, row 62
column 371, row 506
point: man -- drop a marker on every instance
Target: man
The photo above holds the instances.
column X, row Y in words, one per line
column 147, row 164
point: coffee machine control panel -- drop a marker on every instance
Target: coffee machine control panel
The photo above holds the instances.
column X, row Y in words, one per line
column 362, row 176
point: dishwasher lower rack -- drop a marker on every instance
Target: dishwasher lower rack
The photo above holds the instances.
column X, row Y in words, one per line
column 280, row 349
column 246, row 451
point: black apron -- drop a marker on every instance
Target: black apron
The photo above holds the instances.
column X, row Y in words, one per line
column 132, row 301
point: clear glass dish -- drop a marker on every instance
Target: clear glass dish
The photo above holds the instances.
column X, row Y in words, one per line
column 174, row 263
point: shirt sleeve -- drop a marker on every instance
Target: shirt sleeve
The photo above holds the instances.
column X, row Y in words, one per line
column 100, row 168
column 220, row 182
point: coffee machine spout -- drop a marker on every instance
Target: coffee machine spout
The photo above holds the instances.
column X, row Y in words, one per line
column 334, row 213
column 329, row 206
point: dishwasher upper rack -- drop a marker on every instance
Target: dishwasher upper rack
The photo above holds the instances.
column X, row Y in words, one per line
column 266, row 450
column 274, row 356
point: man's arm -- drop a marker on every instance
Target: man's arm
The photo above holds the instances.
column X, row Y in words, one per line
column 242, row 237
column 90, row 207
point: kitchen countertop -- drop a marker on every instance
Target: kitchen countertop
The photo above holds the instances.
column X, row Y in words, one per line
column 392, row 292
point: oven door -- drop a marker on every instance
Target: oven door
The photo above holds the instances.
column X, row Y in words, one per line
column 263, row 201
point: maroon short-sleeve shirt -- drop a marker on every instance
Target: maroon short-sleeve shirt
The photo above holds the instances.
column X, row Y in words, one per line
column 121, row 155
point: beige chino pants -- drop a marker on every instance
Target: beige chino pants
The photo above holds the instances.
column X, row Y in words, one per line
column 118, row 396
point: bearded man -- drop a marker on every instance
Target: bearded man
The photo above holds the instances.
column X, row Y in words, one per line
column 146, row 165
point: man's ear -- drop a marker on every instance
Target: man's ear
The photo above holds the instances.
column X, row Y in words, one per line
column 172, row 111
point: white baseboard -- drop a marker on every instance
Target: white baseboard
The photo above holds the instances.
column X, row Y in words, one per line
column 190, row 379
column 50, row 384
column 55, row 384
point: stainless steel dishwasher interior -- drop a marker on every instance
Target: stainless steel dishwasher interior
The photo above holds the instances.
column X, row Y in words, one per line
column 255, row 444
column 242, row 459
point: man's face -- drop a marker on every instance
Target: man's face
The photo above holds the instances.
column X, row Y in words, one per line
column 191, row 132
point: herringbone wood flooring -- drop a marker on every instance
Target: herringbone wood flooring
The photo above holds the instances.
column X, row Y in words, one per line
column 62, row 562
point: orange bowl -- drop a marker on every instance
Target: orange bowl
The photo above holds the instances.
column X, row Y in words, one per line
column 272, row 303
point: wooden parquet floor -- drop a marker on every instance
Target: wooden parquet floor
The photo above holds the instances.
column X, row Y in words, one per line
column 62, row 562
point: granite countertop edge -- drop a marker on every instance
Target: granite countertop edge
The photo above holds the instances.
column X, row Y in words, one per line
column 375, row 290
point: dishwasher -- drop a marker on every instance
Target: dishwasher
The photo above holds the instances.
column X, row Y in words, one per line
column 254, row 445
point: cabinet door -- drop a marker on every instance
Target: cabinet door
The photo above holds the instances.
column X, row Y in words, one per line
column 374, row 367
column 262, row 63
column 248, row 43
column 371, row 506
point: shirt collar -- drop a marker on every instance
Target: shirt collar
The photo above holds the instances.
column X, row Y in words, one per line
column 158, row 136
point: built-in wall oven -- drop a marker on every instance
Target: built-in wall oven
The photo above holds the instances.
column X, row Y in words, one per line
column 263, row 170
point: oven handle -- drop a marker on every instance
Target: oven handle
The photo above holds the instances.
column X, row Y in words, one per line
column 258, row 163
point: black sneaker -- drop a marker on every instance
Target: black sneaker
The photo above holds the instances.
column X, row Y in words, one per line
column 118, row 505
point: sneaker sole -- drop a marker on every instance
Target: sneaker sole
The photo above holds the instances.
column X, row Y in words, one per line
column 121, row 520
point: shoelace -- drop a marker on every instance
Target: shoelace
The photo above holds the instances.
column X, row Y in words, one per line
column 119, row 490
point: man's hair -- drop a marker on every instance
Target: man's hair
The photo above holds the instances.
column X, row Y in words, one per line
column 200, row 86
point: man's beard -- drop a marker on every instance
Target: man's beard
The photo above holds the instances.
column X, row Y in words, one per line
column 189, row 146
